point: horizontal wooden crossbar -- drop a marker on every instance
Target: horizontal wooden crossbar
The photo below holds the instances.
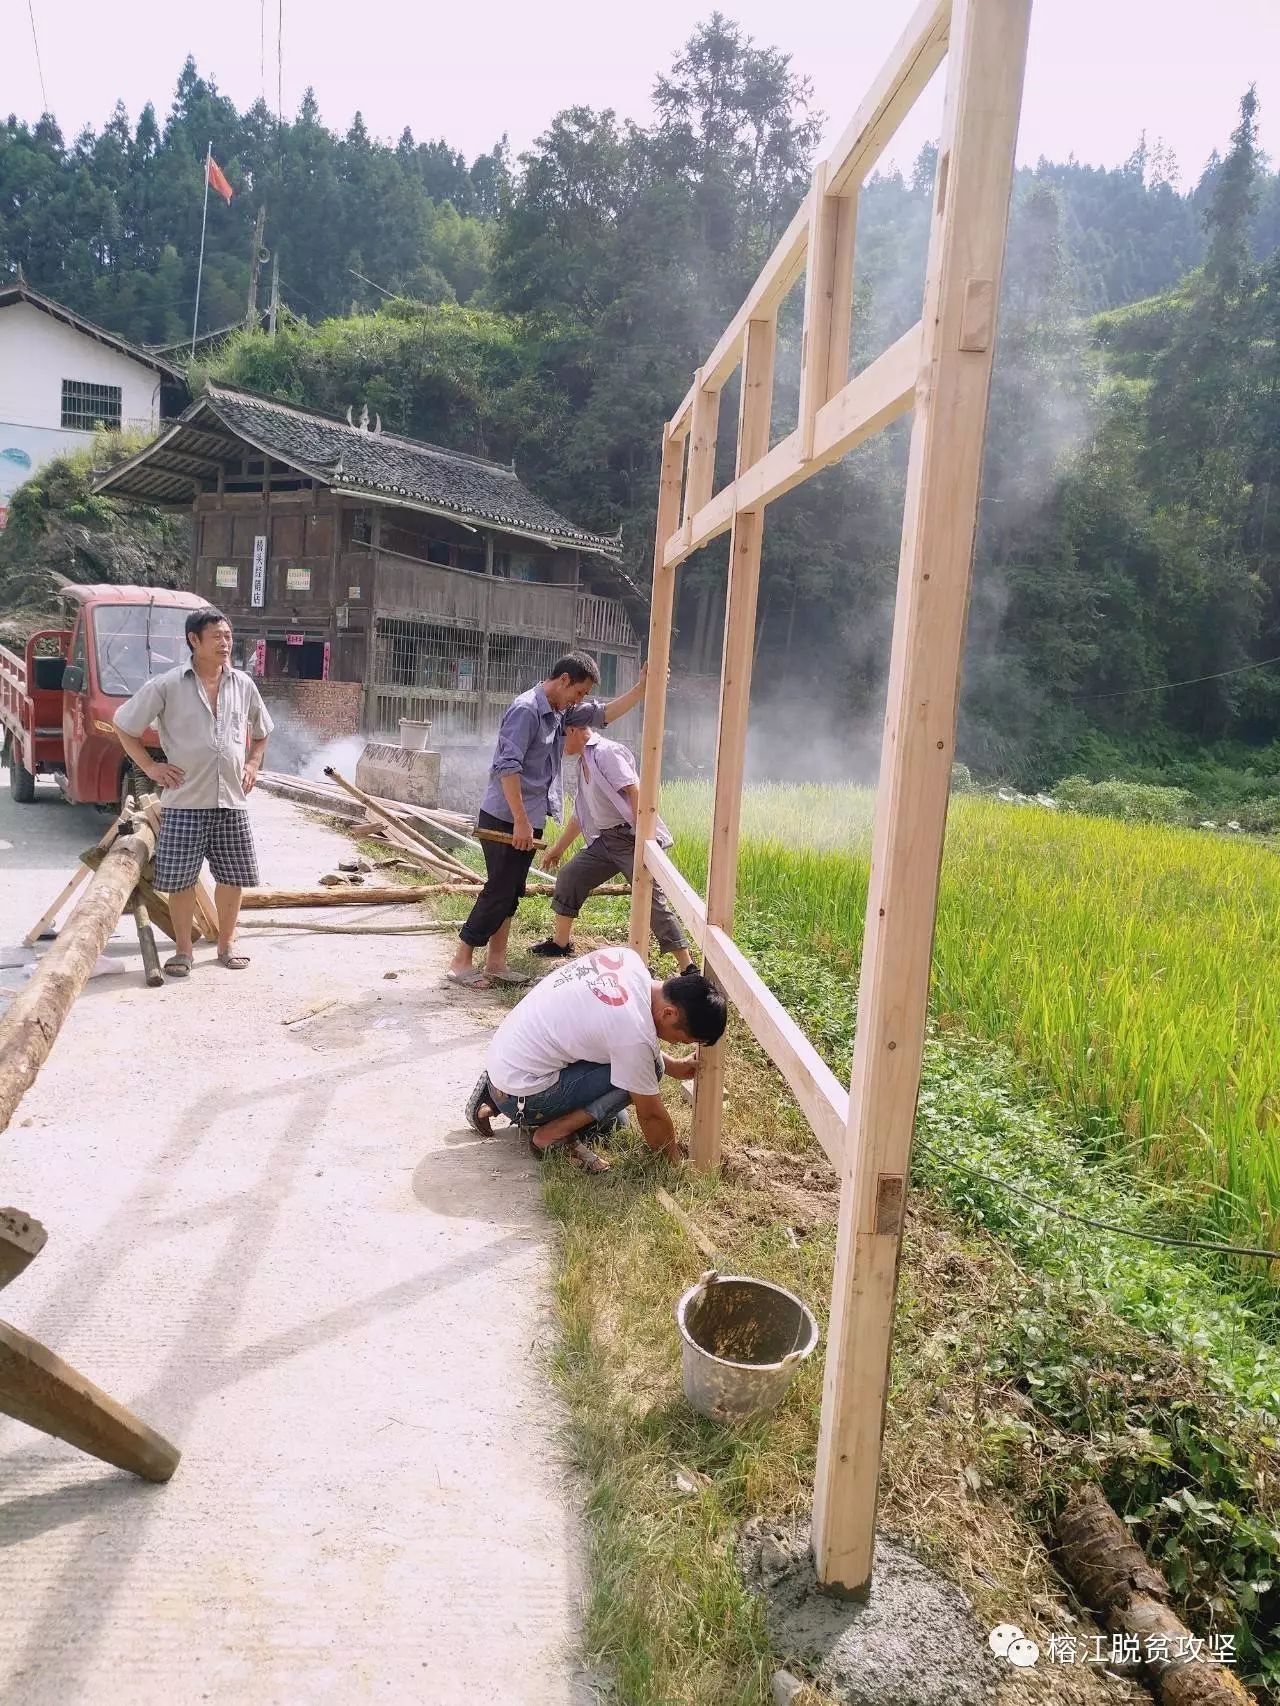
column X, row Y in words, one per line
column 917, row 54
column 867, row 404
column 823, row 1101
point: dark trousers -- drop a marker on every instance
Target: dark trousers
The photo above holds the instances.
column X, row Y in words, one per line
column 506, row 869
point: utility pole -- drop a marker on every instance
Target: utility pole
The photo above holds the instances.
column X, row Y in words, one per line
column 255, row 267
column 273, row 312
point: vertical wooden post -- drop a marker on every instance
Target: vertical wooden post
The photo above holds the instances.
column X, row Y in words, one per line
column 971, row 204
column 703, row 430
column 735, row 696
column 661, row 614
column 828, row 302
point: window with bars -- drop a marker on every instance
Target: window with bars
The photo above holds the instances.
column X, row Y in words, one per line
column 430, row 657
column 86, row 406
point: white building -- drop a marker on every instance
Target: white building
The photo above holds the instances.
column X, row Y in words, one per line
column 60, row 376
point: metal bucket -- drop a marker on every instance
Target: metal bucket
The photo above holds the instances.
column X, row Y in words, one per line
column 413, row 735
column 742, row 1341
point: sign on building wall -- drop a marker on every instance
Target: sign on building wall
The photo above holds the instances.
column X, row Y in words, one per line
column 353, row 592
column 259, row 664
column 295, row 639
column 258, row 595
column 297, row 580
column 227, row 575
column 324, row 672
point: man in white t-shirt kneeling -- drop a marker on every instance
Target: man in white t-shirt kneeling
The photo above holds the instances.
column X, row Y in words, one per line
column 585, row 1042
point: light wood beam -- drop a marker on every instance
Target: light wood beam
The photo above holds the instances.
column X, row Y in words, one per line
column 865, row 406
column 916, row 55
column 975, row 168
column 661, row 616
column 735, row 696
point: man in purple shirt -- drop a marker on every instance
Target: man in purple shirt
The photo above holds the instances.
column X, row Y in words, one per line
column 524, row 789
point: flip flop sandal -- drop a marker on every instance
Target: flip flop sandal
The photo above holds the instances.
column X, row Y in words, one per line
column 179, row 965
column 511, row 979
column 575, row 1152
column 234, row 962
column 479, row 1098
column 470, row 978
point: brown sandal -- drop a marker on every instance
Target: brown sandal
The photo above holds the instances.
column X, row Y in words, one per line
column 233, row 962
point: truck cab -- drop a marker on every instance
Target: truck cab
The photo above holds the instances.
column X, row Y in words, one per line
column 59, row 700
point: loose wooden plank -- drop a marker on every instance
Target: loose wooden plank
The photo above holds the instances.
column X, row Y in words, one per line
column 38, row 1388
column 984, row 89
column 695, row 1232
column 80, row 876
column 21, row 1241
column 30, row 1024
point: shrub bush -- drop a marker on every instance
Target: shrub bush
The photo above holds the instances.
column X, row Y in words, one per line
column 1133, row 802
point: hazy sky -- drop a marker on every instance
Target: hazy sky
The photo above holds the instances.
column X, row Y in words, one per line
column 1100, row 71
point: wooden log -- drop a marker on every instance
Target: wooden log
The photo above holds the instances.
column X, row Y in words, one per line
column 21, row 1241
column 30, row 1025
column 1109, row 1570
column 147, row 942
column 258, row 900
column 81, row 876
column 400, row 834
column 501, row 837
column 40, row 1389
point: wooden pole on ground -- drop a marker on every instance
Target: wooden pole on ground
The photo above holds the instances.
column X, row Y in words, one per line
column 40, row 1389
column 971, row 200
column 81, row 876
column 661, row 615
column 30, row 1024
column 735, row 697
column 146, row 942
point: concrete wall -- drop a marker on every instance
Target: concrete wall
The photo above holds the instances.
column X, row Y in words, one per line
column 37, row 353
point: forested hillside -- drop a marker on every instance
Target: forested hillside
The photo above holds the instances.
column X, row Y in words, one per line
column 550, row 309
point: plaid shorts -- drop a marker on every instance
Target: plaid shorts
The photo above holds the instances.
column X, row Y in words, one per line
column 188, row 838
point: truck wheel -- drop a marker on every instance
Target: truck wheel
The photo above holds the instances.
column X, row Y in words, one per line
column 22, row 784
column 133, row 782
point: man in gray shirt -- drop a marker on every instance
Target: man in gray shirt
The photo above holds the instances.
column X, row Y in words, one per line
column 213, row 727
column 523, row 790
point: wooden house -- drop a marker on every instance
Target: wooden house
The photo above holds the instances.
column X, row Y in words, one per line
column 344, row 553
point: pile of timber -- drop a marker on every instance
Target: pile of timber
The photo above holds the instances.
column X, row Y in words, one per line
column 415, row 831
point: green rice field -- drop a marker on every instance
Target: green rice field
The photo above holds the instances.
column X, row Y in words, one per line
column 1134, row 969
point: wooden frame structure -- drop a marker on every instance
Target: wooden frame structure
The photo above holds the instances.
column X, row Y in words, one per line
column 941, row 367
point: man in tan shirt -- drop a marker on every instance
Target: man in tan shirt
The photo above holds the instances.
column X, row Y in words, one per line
column 213, row 727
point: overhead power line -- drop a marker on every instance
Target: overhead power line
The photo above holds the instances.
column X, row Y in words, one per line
column 31, row 12
column 1165, row 686
column 1250, row 1250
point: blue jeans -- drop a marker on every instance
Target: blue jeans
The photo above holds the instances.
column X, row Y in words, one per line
column 584, row 1084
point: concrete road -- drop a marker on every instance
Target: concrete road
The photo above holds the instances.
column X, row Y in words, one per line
column 275, row 1240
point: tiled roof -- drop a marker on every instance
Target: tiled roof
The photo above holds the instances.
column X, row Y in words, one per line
column 346, row 457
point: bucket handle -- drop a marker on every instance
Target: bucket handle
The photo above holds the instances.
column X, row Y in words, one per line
column 709, row 1278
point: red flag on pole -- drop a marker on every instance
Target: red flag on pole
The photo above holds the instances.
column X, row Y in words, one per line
column 217, row 180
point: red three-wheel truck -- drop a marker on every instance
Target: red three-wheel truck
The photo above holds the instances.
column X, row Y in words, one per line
column 57, row 700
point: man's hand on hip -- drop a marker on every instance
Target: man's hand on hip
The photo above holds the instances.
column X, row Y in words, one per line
column 165, row 775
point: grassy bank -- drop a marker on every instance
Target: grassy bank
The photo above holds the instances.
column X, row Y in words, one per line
column 1125, row 964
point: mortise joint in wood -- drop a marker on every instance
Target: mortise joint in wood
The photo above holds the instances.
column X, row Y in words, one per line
column 890, row 1195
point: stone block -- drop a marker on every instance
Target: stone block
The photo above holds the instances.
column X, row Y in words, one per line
column 394, row 774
